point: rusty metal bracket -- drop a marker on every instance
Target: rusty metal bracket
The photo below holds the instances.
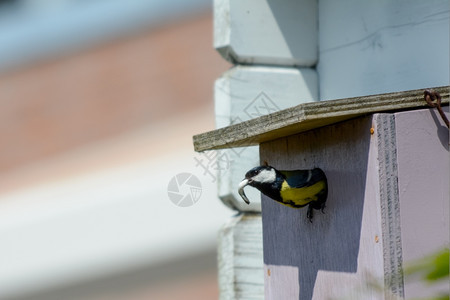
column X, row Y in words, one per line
column 430, row 96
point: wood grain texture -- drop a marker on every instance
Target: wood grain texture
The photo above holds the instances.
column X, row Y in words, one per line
column 389, row 202
column 240, row 259
column 423, row 169
column 246, row 92
column 308, row 116
column 332, row 242
column 267, row 32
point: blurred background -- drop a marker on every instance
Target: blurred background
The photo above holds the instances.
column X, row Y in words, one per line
column 99, row 101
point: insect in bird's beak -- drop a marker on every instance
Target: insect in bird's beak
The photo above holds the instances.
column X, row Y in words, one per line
column 241, row 189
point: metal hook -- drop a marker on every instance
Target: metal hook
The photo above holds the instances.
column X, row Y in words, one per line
column 430, row 96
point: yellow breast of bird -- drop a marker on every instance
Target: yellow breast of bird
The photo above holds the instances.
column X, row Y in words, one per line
column 301, row 196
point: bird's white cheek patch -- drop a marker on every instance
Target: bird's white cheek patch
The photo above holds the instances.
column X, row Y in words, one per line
column 265, row 176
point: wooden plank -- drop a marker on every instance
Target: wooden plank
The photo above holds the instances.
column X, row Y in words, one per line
column 309, row 116
column 267, row 32
column 246, row 92
column 423, row 168
column 389, row 203
column 373, row 47
column 240, row 259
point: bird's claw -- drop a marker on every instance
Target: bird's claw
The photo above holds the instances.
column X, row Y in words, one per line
column 309, row 213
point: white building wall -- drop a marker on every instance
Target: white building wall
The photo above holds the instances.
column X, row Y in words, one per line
column 371, row 47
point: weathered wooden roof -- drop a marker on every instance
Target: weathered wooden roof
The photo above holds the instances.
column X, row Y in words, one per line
column 309, row 116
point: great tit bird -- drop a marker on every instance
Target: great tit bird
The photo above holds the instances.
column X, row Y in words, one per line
column 295, row 189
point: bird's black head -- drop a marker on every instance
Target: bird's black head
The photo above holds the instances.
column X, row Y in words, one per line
column 264, row 178
column 261, row 175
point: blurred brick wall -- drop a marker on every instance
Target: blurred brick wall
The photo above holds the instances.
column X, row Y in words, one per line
column 52, row 107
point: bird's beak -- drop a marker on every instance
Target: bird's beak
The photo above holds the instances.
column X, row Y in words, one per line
column 241, row 190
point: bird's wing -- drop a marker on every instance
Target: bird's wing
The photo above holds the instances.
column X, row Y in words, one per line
column 303, row 178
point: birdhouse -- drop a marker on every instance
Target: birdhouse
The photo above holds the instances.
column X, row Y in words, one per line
column 387, row 164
